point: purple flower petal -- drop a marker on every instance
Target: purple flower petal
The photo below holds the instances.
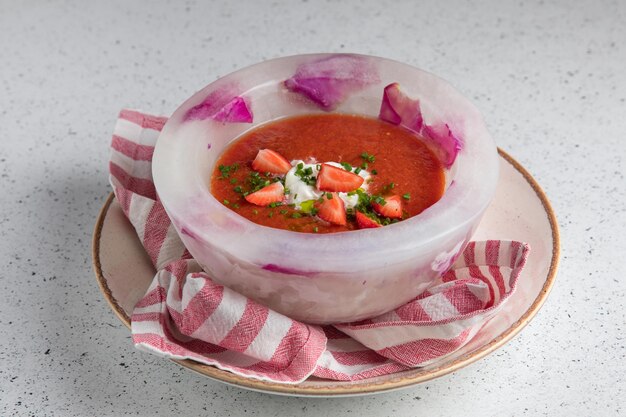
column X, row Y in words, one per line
column 222, row 105
column 448, row 145
column 236, row 111
column 328, row 81
column 397, row 108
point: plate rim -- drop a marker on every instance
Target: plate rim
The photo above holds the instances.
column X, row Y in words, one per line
column 358, row 387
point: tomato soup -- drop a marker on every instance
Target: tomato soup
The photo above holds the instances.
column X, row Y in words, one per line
column 327, row 173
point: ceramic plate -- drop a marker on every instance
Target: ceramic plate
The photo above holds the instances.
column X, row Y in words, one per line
column 519, row 211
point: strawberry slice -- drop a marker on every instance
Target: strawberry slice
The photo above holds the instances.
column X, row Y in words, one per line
column 332, row 210
column 331, row 178
column 269, row 161
column 272, row 193
column 392, row 207
column 366, row 222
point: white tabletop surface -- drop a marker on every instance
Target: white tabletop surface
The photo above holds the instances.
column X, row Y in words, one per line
column 550, row 78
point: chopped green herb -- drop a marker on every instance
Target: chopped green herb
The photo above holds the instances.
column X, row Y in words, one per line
column 287, row 191
column 406, row 196
column 271, row 214
column 329, row 196
column 256, row 181
column 315, row 229
column 374, row 172
column 233, row 181
column 357, row 170
column 236, row 206
column 226, row 170
column 364, row 165
column 364, row 204
column 296, row 215
column 238, row 190
column 387, row 188
column 318, row 166
column 379, row 200
column 226, row 202
column 284, row 211
column 367, row 157
column 306, row 175
column 275, row 204
column 347, row 166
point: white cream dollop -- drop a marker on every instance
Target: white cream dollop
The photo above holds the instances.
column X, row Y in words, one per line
column 299, row 191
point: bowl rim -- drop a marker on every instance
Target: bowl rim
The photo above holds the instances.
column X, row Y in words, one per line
column 362, row 386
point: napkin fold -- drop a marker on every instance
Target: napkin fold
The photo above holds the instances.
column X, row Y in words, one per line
column 185, row 315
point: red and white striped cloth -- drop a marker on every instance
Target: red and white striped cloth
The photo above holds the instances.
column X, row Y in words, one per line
column 185, row 315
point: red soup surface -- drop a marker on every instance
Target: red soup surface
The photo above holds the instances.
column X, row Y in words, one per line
column 405, row 175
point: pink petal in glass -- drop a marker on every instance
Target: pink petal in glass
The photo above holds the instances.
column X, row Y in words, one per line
column 328, row 81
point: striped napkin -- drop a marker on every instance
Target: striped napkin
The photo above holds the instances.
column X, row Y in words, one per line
column 185, row 315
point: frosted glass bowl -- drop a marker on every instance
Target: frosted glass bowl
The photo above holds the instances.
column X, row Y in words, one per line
column 326, row 278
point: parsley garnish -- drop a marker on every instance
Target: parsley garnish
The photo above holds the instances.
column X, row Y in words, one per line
column 368, row 158
column 226, row 170
column 378, row 199
column 406, row 196
column 305, row 174
column 256, row 182
column 387, row 188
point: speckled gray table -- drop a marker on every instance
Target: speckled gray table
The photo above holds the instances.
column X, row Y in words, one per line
column 549, row 77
